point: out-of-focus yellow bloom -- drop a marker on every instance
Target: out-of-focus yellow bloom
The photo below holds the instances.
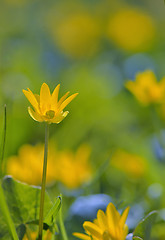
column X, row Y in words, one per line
column 76, row 35
column 146, row 88
column 73, row 169
column 132, row 165
column 132, row 29
column 33, row 236
column 46, row 106
column 107, row 226
column 27, row 166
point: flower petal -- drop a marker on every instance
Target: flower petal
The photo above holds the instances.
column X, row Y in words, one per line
column 81, row 236
column 125, row 232
column 93, row 229
column 37, row 98
column 124, row 217
column 31, row 98
column 63, row 98
column 67, row 101
column 54, row 98
column 130, row 85
column 59, row 117
column 45, row 98
column 101, row 219
column 95, row 221
column 113, row 219
column 146, row 78
column 35, row 115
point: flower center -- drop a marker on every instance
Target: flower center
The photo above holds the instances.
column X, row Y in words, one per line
column 106, row 235
column 50, row 114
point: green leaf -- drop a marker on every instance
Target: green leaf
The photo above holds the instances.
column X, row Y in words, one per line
column 6, row 214
column 143, row 230
column 49, row 219
column 24, row 203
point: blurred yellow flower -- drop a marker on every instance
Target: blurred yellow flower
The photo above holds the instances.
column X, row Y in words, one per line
column 76, row 35
column 107, row 226
column 27, row 166
column 33, row 236
column 46, row 106
column 146, row 88
column 131, row 29
column 73, row 169
column 132, row 165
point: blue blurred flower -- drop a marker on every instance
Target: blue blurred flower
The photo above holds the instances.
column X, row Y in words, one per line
column 138, row 63
column 87, row 206
column 129, row 236
column 136, row 213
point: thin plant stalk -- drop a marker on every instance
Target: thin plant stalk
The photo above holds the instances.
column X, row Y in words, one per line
column 3, row 204
column 41, row 216
column 2, row 164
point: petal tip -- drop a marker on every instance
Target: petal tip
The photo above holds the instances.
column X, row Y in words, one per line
column 24, row 91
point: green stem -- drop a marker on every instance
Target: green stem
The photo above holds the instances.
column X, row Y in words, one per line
column 62, row 226
column 43, row 183
column 6, row 214
column 2, row 167
column 3, row 204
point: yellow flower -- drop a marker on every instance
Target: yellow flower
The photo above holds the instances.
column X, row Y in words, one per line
column 33, row 236
column 131, row 164
column 73, row 169
column 131, row 29
column 77, row 35
column 27, row 166
column 46, row 106
column 107, row 226
column 146, row 89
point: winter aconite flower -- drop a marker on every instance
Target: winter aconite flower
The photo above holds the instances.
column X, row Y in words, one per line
column 132, row 165
column 73, row 169
column 46, row 106
column 132, row 29
column 26, row 165
column 33, row 236
column 146, row 89
column 107, row 226
column 77, row 35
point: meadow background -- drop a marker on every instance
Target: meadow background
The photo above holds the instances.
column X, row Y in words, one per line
column 110, row 147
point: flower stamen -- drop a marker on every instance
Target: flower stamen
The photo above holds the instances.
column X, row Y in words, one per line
column 50, row 114
column 106, row 235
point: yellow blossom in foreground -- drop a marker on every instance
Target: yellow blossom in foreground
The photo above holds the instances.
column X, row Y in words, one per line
column 27, row 166
column 131, row 164
column 131, row 29
column 146, row 89
column 107, row 226
column 73, row 169
column 46, row 106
